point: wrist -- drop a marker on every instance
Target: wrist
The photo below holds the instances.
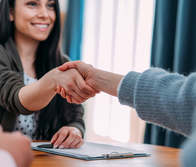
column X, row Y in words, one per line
column 95, row 79
column 106, row 81
column 52, row 78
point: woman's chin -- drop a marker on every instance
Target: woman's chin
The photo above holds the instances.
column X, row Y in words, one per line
column 41, row 39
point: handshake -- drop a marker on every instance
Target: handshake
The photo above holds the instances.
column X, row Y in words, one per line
column 89, row 82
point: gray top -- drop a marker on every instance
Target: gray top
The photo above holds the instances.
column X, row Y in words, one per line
column 166, row 99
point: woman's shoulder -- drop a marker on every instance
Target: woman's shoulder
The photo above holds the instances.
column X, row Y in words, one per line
column 2, row 49
column 3, row 53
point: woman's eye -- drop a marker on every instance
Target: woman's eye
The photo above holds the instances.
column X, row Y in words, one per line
column 32, row 4
column 51, row 5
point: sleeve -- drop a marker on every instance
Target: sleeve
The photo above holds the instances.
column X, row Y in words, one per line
column 160, row 97
column 188, row 155
column 10, row 84
column 6, row 159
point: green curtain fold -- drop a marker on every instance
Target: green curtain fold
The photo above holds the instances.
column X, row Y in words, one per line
column 173, row 49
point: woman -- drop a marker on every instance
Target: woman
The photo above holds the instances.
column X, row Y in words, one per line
column 29, row 53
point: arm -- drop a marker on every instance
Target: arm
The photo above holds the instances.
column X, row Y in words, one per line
column 37, row 95
column 21, row 99
column 159, row 97
column 98, row 79
column 15, row 148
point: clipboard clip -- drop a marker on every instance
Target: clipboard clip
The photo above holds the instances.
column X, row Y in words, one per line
column 116, row 155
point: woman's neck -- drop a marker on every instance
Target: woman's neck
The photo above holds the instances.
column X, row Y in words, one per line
column 27, row 49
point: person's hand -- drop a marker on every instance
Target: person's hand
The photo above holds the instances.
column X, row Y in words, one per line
column 74, row 86
column 67, row 137
column 86, row 72
column 99, row 80
column 18, row 146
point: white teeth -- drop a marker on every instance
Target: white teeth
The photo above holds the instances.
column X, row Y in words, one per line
column 41, row 25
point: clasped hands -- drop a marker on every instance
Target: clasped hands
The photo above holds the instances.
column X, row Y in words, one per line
column 83, row 88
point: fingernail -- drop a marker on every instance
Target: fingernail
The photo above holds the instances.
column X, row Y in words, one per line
column 72, row 147
column 67, row 147
column 55, row 146
column 61, row 147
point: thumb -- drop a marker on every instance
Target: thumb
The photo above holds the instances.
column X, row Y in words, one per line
column 64, row 67
column 71, row 64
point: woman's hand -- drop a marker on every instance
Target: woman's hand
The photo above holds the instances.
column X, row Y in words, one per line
column 37, row 95
column 67, row 137
column 74, row 85
column 97, row 79
column 86, row 72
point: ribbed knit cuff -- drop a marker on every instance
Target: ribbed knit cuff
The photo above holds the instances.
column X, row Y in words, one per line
column 127, row 87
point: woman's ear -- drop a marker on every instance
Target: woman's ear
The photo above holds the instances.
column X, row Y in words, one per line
column 11, row 14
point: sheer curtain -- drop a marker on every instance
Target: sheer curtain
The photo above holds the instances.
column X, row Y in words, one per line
column 116, row 37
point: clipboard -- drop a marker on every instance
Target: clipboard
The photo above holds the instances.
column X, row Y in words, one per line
column 92, row 151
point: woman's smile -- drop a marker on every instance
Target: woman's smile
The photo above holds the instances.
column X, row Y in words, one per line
column 41, row 26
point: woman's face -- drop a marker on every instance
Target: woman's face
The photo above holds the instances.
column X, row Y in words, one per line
column 34, row 18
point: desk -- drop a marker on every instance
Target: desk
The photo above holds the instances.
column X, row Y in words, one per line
column 160, row 157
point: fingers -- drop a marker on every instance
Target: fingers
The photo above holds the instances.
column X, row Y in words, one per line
column 54, row 138
column 62, row 136
column 79, row 144
column 77, row 98
column 74, row 85
column 58, row 89
column 68, row 138
column 88, row 91
column 68, row 65
column 63, row 93
column 69, row 99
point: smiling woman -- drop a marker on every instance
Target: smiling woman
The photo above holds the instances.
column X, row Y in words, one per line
column 38, row 21
column 29, row 55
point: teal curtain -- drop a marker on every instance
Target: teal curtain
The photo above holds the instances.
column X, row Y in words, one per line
column 73, row 24
column 174, row 49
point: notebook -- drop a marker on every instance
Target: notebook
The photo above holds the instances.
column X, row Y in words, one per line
column 92, row 151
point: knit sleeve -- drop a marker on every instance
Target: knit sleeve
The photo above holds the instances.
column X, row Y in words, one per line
column 160, row 97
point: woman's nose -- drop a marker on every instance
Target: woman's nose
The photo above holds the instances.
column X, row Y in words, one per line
column 43, row 12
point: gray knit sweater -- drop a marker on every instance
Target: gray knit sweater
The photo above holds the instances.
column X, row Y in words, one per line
column 166, row 99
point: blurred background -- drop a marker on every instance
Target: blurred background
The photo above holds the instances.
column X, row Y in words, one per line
column 128, row 35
